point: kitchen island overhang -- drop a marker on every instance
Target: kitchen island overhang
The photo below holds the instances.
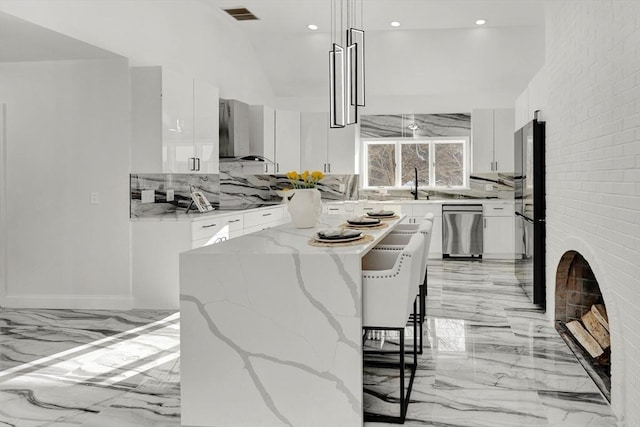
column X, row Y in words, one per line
column 271, row 330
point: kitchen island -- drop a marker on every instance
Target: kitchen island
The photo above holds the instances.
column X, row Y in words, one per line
column 271, row 330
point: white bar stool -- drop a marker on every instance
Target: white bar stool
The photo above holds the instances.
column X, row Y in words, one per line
column 389, row 287
column 397, row 242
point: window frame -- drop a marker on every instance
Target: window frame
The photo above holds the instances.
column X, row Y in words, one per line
column 398, row 142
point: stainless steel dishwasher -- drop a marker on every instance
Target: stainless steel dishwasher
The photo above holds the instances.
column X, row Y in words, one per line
column 461, row 230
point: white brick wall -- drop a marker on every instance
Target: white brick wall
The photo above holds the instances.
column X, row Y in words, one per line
column 593, row 166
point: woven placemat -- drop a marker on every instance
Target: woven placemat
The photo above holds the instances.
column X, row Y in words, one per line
column 366, row 238
column 357, row 227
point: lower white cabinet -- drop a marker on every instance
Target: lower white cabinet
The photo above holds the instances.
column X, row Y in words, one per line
column 263, row 219
column 156, row 246
column 499, row 231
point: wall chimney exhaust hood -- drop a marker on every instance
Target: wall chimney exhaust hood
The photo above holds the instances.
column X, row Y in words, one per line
column 234, row 129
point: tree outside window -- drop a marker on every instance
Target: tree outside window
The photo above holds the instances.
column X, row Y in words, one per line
column 393, row 164
column 381, row 165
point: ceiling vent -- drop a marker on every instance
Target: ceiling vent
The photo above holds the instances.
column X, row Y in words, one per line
column 241, row 14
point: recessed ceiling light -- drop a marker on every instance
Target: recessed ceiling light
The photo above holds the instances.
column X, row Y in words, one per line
column 312, row 27
column 481, row 22
column 394, row 24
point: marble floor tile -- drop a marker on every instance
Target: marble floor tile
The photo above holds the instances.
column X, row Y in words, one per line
column 490, row 359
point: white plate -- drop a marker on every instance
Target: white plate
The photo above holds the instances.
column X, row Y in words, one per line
column 347, row 239
column 374, row 224
column 381, row 214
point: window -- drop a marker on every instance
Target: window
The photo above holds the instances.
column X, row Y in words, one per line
column 393, row 164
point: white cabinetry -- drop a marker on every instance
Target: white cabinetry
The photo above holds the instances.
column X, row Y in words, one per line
column 156, row 246
column 287, row 141
column 263, row 219
column 174, row 123
column 275, row 134
column 262, row 136
column 492, row 139
column 418, row 211
column 205, row 158
column 326, row 149
column 499, row 228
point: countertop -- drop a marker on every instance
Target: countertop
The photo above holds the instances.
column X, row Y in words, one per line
column 196, row 216
column 434, row 202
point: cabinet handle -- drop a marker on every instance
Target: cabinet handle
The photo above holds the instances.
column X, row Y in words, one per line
column 329, row 167
column 277, row 167
column 334, row 209
column 324, row 168
column 498, row 209
column 192, row 163
column 266, row 167
column 484, row 220
column 233, row 220
column 198, row 160
column 367, row 209
column 266, row 214
column 210, row 225
column 496, row 165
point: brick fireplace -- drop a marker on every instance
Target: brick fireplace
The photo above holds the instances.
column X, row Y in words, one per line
column 577, row 292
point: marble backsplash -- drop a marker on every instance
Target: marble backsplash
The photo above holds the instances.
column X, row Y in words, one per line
column 229, row 190
column 415, row 125
column 182, row 186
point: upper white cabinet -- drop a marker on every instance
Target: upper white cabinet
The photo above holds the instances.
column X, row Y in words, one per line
column 174, row 123
column 287, row 141
column 492, row 139
column 327, row 149
column 275, row 134
column 205, row 128
column 262, row 134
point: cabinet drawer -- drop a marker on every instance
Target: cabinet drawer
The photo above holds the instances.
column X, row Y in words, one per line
column 206, row 228
column 262, row 216
column 498, row 209
column 235, row 222
column 419, row 210
column 334, row 209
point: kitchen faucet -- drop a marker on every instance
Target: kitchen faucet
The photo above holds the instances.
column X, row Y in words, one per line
column 415, row 184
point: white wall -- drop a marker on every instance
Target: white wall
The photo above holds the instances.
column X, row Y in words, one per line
column 593, row 167
column 67, row 135
column 186, row 36
column 460, row 102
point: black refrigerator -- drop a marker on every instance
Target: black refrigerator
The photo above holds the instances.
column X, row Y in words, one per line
column 529, row 178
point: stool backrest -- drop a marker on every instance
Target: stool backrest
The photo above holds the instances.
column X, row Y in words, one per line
column 388, row 296
column 429, row 216
column 425, row 229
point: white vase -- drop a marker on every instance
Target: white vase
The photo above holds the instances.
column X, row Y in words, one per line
column 305, row 207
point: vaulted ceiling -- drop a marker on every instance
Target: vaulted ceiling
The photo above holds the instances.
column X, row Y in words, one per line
column 438, row 48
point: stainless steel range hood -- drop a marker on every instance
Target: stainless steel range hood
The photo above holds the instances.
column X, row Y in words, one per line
column 234, row 129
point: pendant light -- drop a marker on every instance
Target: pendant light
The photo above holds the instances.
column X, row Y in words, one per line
column 346, row 65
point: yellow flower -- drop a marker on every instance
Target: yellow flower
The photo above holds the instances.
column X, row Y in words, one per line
column 304, row 179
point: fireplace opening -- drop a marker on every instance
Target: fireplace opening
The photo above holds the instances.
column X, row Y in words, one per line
column 581, row 318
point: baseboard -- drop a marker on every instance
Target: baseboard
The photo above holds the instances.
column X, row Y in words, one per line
column 72, row 302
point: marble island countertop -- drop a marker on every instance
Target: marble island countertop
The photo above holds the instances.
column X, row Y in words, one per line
column 248, row 309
